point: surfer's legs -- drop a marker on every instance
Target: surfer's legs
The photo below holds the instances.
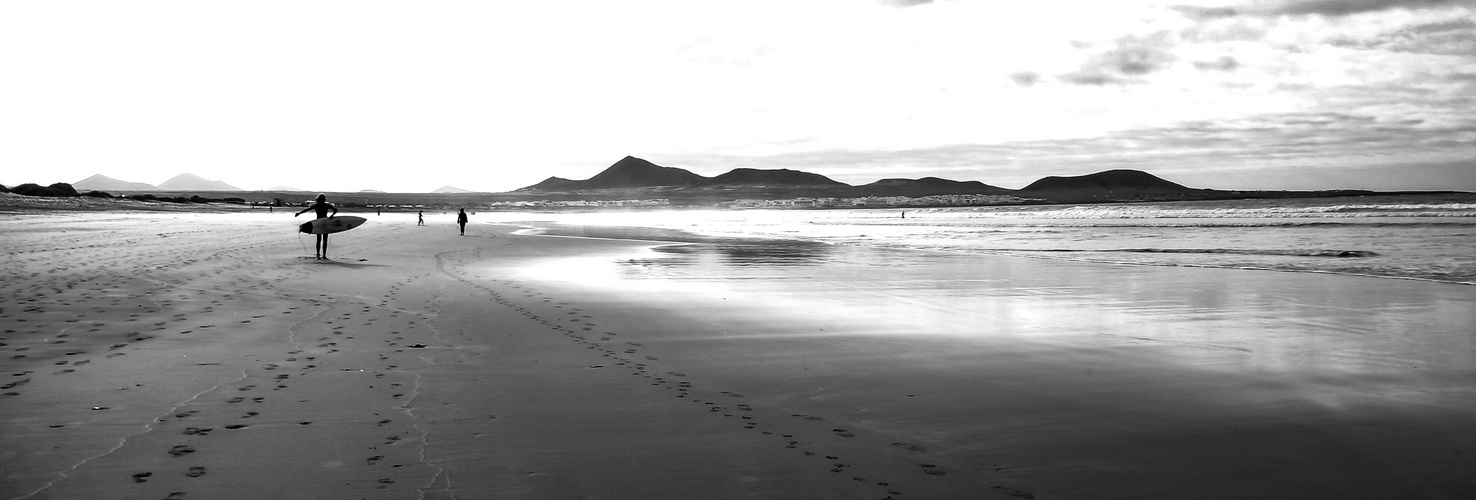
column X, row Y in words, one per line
column 320, row 247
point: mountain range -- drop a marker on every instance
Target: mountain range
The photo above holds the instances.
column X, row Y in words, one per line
column 181, row 182
column 635, row 174
column 635, row 178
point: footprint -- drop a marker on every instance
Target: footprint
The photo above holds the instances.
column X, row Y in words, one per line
column 1014, row 492
column 181, row 450
column 142, row 477
column 196, row 471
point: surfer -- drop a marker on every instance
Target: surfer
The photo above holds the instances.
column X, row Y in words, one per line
column 320, row 246
column 461, row 221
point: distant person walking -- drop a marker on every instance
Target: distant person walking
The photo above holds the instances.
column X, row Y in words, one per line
column 421, row 220
column 461, row 221
column 322, row 207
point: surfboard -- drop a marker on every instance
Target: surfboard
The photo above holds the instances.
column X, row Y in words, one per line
column 331, row 224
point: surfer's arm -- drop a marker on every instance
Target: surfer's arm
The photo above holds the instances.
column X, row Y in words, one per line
column 299, row 212
column 334, row 209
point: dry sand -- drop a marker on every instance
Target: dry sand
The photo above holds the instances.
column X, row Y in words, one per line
column 209, row 356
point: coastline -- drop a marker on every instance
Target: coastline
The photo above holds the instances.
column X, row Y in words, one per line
column 527, row 366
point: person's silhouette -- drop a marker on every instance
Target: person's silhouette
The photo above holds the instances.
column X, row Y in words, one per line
column 322, row 207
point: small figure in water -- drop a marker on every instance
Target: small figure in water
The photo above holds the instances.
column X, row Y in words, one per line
column 320, row 246
column 461, row 221
column 421, row 216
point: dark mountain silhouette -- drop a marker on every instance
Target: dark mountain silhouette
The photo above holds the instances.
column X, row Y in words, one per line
column 773, row 178
column 635, row 172
column 629, row 172
column 58, row 190
column 192, row 182
column 100, row 182
column 1111, row 180
column 930, row 186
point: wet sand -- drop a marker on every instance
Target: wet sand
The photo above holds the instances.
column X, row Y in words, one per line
column 208, row 356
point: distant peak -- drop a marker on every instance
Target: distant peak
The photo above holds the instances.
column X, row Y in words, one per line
column 1108, row 179
column 192, row 182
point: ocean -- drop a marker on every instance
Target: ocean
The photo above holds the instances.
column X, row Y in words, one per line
column 1421, row 237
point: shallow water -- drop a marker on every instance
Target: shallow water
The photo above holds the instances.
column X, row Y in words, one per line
column 1258, row 319
column 1426, row 237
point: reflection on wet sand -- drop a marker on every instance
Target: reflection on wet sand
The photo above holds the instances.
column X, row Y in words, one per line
column 1226, row 383
column 747, row 253
column 696, row 250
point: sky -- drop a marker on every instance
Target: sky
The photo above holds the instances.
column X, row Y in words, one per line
column 494, row 96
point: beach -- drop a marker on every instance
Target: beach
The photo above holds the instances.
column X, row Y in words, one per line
column 180, row 355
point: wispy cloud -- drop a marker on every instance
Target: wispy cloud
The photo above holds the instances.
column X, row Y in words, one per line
column 1344, row 7
column 1455, row 37
column 1224, row 63
column 1203, row 13
column 1331, row 8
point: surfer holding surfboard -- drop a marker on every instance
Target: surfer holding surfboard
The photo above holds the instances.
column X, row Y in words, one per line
column 322, row 207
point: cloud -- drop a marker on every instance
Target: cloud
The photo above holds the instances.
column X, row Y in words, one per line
column 906, row 3
column 1456, row 37
column 1346, row 7
column 1025, row 78
column 1330, row 8
column 1202, row 13
column 1224, row 63
column 1130, row 58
